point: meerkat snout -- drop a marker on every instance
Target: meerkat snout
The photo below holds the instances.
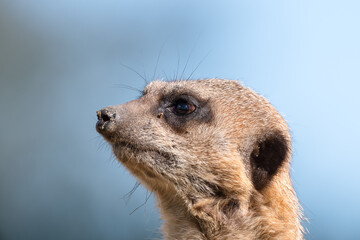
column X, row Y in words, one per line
column 215, row 154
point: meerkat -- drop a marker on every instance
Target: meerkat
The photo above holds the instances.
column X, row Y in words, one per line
column 215, row 154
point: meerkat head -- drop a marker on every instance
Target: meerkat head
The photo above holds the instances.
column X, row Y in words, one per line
column 211, row 146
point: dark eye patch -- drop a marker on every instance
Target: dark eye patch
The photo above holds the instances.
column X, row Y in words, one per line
column 180, row 109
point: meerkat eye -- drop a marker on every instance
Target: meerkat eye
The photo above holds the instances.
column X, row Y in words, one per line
column 182, row 107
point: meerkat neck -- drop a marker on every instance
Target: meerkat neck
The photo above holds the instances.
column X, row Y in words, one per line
column 261, row 218
column 179, row 223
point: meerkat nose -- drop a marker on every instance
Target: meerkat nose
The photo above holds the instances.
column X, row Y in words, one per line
column 105, row 115
column 106, row 118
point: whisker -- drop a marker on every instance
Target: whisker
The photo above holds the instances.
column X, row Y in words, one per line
column 125, row 86
column 98, row 137
column 112, row 157
column 158, row 59
column 134, row 71
column 166, row 77
column 102, row 145
column 128, row 195
column 202, row 60
column 178, row 62
column 187, row 60
column 146, row 200
column 144, row 72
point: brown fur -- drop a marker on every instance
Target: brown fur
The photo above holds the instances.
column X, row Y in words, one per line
column 220, row 172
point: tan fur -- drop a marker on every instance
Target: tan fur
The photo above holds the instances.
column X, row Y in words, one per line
column 201, row 172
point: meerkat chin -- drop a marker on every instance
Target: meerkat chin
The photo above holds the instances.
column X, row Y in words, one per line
column 215, row 154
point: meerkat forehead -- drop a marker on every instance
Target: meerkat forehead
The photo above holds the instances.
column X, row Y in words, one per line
column 205, row 87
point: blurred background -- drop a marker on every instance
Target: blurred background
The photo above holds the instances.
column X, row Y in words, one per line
column 60, row 61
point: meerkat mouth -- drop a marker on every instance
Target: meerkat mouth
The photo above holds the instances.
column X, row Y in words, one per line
column 143, row 153
column 151, row 162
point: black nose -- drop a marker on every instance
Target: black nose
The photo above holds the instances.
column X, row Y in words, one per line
column 105, row 120
column 105, row 115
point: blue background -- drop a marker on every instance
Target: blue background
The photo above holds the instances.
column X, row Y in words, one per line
column 60, row 61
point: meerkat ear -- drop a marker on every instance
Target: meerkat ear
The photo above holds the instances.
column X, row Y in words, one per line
column 266, row 157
